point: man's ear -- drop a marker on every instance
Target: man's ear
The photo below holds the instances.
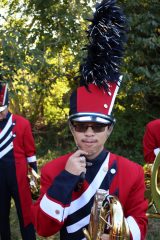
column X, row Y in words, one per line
column 72, row 131
column 110, row 129
column 71, row 128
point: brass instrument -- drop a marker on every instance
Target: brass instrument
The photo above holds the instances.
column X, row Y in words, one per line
column 34, row 181
column 152, row 182
column 107, row 212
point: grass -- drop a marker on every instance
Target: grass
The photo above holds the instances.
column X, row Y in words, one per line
column 153, row 229
column 15, row 232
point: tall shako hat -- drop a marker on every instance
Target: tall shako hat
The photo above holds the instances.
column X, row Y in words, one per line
column 4, row 100
column 99, row 74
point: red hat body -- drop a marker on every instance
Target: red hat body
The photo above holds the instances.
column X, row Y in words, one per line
column 96, row 100
column 93, row 101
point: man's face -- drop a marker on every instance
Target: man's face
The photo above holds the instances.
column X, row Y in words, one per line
column 3, row 114
column 90, row 136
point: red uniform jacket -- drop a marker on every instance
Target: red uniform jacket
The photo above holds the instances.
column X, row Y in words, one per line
column 17, row 144
column 151, row 141
column 61, row 208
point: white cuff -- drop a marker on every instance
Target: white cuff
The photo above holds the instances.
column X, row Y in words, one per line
column 134, row 228
column 53, row 209
column 31, row 159
column 156, row 151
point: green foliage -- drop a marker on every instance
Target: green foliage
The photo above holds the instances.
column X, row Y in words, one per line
column 139, row 99
column 126, row 139
column 141, row 68
column 39, row 50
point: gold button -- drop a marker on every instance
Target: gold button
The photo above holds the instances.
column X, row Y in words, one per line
column 57, row 211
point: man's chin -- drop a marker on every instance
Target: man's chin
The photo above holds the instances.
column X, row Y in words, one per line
column 91, row 153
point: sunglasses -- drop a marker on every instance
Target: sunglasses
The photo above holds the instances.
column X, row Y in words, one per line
column 82, row 127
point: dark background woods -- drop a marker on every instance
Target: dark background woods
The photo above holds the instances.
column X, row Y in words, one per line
column 40, row 50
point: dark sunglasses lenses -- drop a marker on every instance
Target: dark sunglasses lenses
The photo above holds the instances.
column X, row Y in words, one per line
column 82, row 127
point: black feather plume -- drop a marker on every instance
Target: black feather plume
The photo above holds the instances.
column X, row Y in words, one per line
column 106, row 35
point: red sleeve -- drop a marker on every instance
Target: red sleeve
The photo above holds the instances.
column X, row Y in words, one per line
column 149, row 145
column 131, row 188
column 44, row 224
column 136, row 206
column 28, row 141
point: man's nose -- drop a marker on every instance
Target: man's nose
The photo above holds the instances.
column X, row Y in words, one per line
column 89, row 129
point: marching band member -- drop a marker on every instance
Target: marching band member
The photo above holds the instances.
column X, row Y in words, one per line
column 70, row 182
column 151, row 141
column 17, row 150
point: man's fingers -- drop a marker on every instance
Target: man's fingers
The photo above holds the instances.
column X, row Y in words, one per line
column 79, row 153
column 82, row 159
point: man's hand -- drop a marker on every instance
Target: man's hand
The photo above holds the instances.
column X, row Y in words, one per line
column 76, row 163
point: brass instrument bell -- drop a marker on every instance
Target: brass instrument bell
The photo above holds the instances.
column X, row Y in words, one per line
column 107, row 212
column 152, row 182
column 34, row 181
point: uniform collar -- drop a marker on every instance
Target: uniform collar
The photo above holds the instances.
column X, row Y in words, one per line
column 8, row 116
column 99, row 159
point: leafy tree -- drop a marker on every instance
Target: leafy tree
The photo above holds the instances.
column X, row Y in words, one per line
column 41, row 46
column 139, row 98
